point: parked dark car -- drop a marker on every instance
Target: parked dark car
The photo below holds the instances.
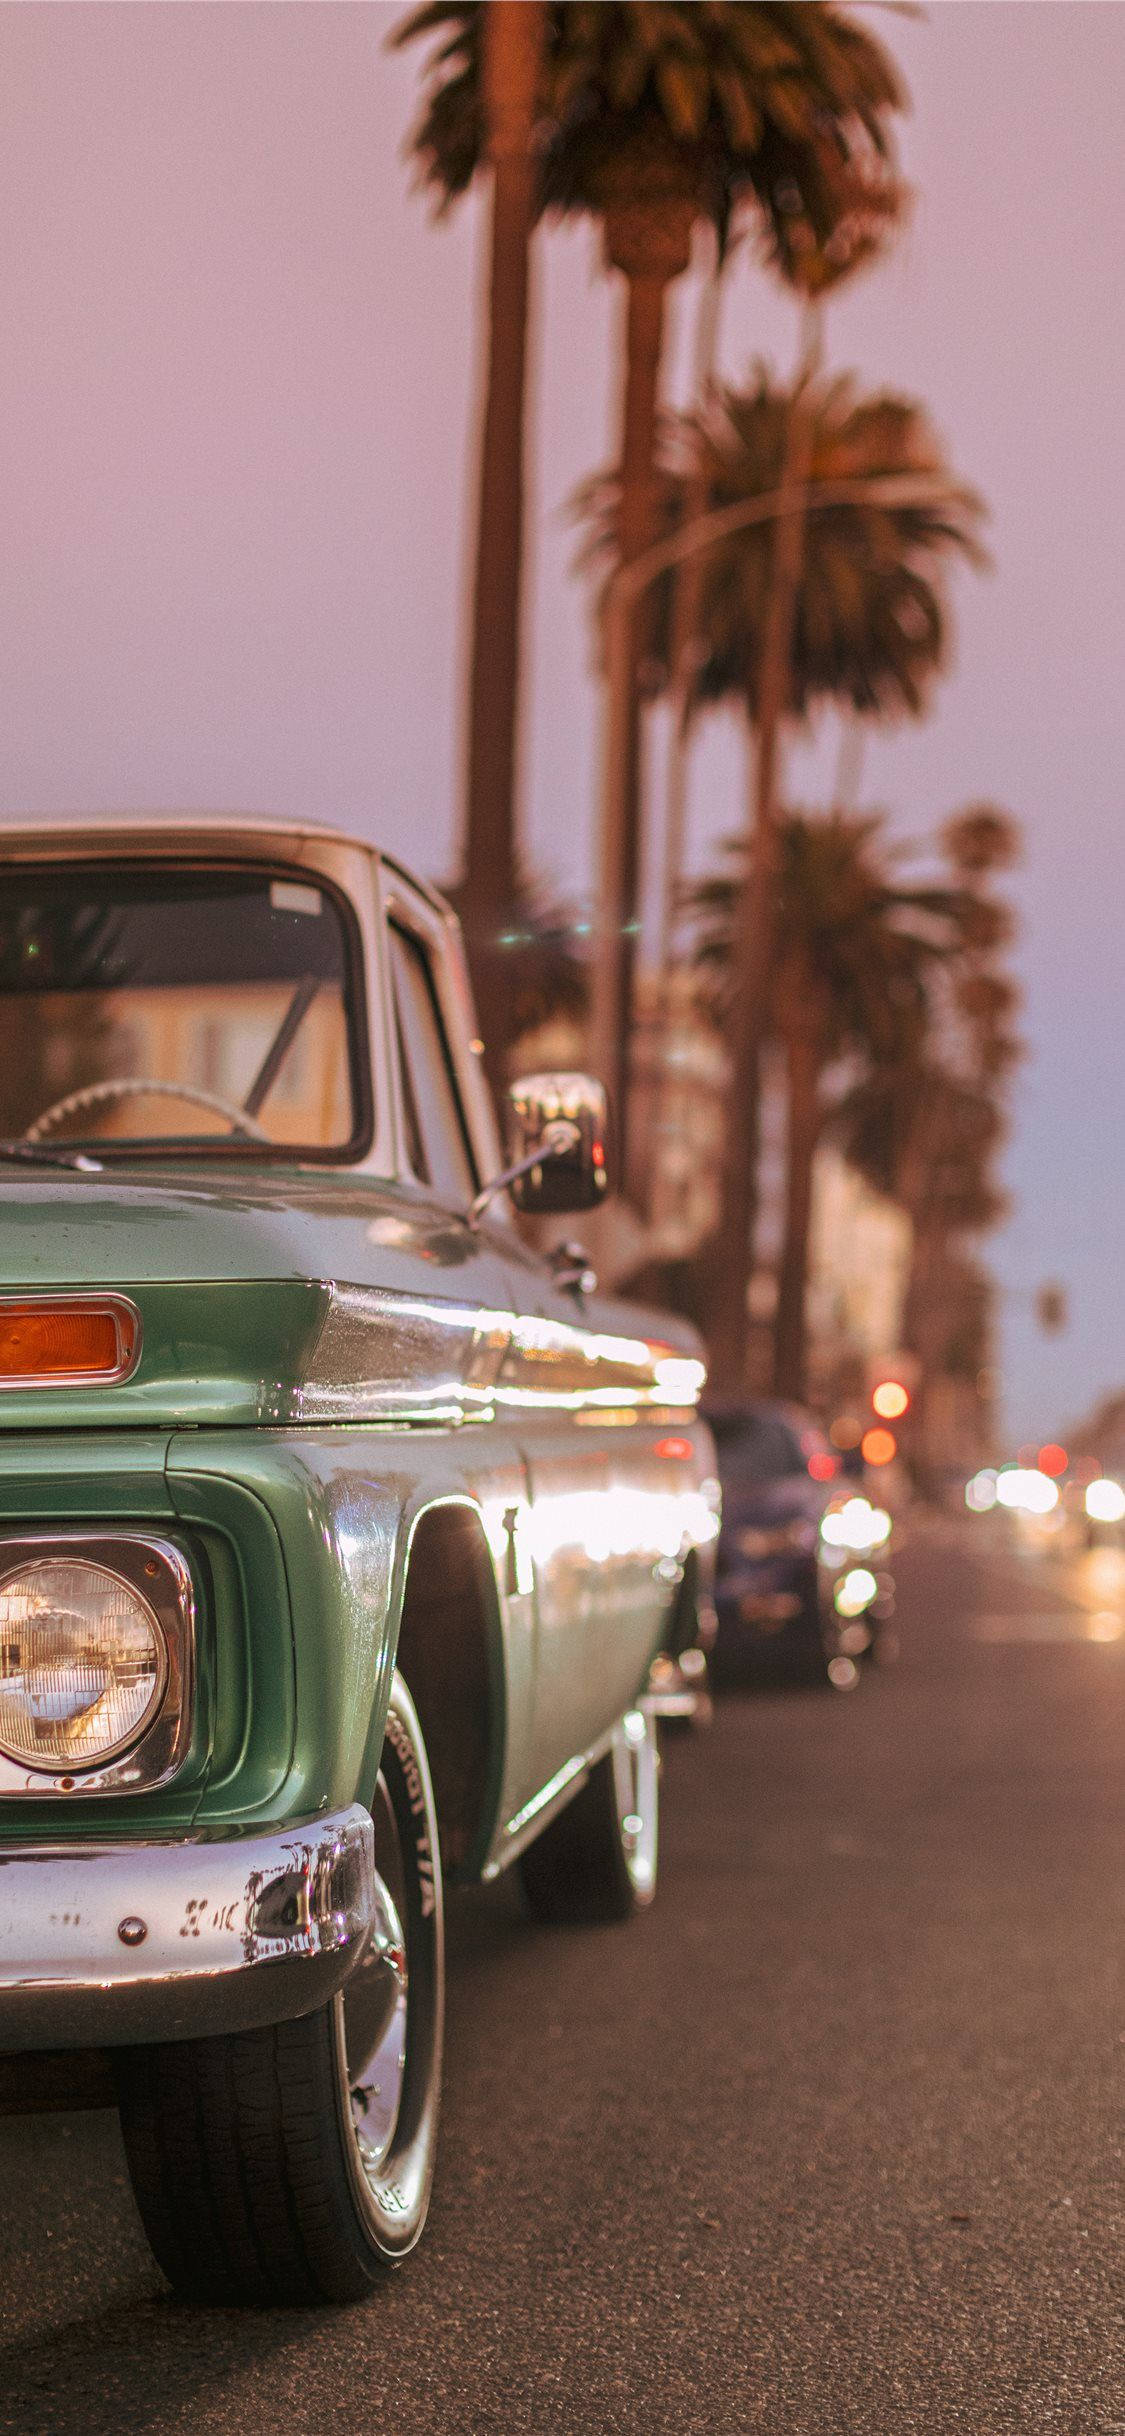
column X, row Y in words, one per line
column 777, row 1473
column 794, row 1589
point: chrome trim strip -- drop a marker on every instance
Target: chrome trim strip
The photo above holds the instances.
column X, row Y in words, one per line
column 118, row 1306
column 114, row 1944
column 541, row 1803
column 383, row 1355
column 536, row 1813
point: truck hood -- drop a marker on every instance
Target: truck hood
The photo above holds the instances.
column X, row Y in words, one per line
column 231, row 1275
column 134, row 1227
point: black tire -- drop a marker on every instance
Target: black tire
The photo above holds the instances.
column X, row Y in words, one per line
column 597, row 1860
column 254, row 2163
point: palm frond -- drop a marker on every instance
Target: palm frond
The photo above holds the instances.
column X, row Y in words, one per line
column 752, row 107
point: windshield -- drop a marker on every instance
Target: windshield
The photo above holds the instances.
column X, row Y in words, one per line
column 208, row 1010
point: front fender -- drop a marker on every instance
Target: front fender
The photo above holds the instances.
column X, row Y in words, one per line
column 342, row 1506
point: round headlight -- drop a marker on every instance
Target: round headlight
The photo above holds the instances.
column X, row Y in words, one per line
column 83, row 1664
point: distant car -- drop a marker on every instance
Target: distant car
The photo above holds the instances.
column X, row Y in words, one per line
column 794, row 1587
column 777, row 1473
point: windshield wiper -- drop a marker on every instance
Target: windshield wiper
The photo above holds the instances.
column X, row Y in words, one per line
column 41, row 1154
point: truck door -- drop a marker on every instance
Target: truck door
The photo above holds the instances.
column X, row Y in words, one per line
column 459, row 1269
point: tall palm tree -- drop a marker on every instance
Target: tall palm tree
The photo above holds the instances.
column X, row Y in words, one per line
column 650, row 118
column 926, row 1125
column 867, row 631
column 510, row 51
column 543, row 950
column 857, row 949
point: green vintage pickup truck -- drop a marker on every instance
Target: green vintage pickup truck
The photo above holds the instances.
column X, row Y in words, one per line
column 338, row 1530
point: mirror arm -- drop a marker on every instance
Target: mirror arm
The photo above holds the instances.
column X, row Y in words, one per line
column 561, row 1135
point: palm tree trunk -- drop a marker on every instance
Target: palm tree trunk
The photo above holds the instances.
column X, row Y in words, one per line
column 648, row 239
column 803, row 1070
column 687, row 607
column 754, row 922
column 513, row 37
column 644, row 342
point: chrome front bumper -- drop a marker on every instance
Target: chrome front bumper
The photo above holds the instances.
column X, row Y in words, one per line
column 115, row 1944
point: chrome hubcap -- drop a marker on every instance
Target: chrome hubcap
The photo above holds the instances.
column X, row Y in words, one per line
column 376, row 2004
column 635, row 1769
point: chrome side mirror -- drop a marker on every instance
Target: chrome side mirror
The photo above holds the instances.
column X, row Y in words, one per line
column 556, row 1130
column 574, row 1175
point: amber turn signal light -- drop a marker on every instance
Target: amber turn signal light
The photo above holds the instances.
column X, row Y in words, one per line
column 94, row 1340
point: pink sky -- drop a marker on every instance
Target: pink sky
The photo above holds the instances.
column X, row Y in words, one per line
column 235, row 407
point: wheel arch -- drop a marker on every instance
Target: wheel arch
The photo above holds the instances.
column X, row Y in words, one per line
column 450, row 1652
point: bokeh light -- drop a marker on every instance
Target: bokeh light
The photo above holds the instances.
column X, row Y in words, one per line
column 1026, row 1490
column 857, row 1524
column 890, row 1399
column 1105, row 1501
column 879, row 1446
column 854, row 1591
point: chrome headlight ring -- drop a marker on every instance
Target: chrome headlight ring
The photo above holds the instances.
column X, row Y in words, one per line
column 157, row 1575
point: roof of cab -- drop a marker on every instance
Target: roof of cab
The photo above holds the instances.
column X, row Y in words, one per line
column 130, row 832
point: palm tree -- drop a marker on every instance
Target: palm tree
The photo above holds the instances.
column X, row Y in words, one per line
column 867, row 632
column 856, row 954
column 650, row 118
column 926, row 1125
column 510, row 49
column 542, row 948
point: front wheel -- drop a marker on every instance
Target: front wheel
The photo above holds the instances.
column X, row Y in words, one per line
column 294, row 2163
column 597, row 1859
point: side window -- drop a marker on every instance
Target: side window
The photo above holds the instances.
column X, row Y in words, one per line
column 436, row 1140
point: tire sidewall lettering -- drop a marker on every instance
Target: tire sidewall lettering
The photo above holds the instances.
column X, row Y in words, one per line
column 400, row 1743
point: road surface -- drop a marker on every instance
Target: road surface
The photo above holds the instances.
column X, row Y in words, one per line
column 827, row 2144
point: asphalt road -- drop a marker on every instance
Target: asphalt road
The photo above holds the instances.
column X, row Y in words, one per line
column 828, row 2142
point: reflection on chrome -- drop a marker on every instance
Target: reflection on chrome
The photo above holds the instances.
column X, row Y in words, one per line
column 606, row 1525
column 382, row 1354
